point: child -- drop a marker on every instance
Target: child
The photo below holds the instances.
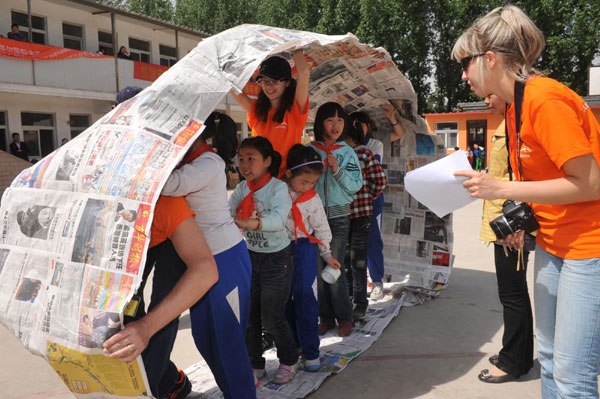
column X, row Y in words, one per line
column 342, row 178
column 374, row 181
column 218, row 328
column 375, row 261
column 280, row 112
column 261, row 205
column 304, row 167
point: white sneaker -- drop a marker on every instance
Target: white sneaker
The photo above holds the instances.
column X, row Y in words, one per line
column 312, row 365
column 377, row 292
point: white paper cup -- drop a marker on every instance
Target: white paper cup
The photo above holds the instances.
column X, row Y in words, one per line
column 330, row 274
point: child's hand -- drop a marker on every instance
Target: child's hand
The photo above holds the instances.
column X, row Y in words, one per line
column 333, row 262
column 332, row 162
column 248, row 224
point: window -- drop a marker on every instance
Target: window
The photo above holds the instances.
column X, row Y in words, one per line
column 38, row 132
column 78, row 124
column 3, row 139
column 38, row 30
column 139, row 50
column 476, row 132
column 105, row 40
column 73, row 36
column 168, row 55
column 448, row 131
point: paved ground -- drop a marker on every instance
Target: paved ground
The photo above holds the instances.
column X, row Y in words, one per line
column 430, row 351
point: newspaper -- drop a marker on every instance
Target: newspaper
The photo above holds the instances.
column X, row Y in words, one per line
column 75, row 226
column 336, row 354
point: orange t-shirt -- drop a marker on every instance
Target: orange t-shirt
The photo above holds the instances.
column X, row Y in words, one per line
column 281, row 135
column 168, row 215
column 557, row 125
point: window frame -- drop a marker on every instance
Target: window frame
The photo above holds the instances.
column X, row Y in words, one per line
column 446, row 133
column 77, row 129
column 25, row 127
column 136, row 54
column 75, row 38
column 25, row 29
column 108, row 46
column 5, row 139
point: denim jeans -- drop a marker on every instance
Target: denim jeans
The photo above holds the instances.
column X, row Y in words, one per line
column 356, row 258
column 269, row 293
column 567, row 315
column 334, row 301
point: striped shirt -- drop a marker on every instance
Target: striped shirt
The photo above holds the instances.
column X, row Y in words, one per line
column 498, row 168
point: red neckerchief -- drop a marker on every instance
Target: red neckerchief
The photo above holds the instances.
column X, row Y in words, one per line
column 195, row 154
column 326, row 149
column 246, row 208
column 297, row 216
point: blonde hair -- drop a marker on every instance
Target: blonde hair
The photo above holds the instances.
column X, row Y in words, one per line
column 508, row 32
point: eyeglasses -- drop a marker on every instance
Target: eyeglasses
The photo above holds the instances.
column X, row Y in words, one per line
column 465, row 62
column 262, row 82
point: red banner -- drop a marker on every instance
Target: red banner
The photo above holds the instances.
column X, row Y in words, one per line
column 31, row 51
column 149, row 72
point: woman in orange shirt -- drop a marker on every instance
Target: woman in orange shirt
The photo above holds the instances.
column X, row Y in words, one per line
column 555, row 156
column 280, row 112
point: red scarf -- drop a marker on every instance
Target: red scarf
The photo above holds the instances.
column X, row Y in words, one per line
column 195, row 154
column 246, row 208
column 297, row 216
column 326, row 149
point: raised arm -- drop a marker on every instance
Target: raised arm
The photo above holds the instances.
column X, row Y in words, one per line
column 200, row 276
column 243, row 100
column 303, row 79
column 390, row 113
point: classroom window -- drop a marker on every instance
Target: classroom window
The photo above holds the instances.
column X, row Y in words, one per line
column 168, row 55
column 448, row 131
column 38, row 132
column 105, row 40
column 4, row 142
column 73, row 36
column 78, row 124
column 38, row 26
column 139, row 50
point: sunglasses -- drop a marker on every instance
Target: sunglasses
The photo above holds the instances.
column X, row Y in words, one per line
column 465, row 62
column 268, row 82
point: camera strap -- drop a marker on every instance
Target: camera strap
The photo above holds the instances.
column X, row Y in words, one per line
column 519, row 92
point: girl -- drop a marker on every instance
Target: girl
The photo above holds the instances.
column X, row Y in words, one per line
column 261, row 205
column 280, row 112
column 307, row 216
column 336, row 186
column 374, row 181
column 554, row 153
column 218, row 328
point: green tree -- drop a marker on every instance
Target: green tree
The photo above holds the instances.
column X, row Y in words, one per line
column 160, row 9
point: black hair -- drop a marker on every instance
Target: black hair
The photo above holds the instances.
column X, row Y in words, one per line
column 221, row 129
column 363, row 117
column 15, row 133
column 300, row 154
column 355, row 132
column 264, row 146
column 263, row 104
column 13, row 25
column 121, row 48
column 326, row 111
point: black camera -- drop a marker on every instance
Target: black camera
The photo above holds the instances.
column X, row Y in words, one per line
column 515, row 216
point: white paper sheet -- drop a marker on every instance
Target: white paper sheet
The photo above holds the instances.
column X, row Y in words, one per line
column 435, row 186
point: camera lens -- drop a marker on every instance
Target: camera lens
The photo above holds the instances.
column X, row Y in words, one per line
column 501, row 227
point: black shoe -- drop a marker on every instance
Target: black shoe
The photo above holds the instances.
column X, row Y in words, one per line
column 359, row 313
column 494, row 360
column 485, row 376
column 182, row 388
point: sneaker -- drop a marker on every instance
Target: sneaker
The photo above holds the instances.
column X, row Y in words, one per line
column 359, row 312
column 285, row 374
column 377, row 292
column 259, row 373
column 312, row 365
column 182, row 388
column 324, row 327
column 345, row 328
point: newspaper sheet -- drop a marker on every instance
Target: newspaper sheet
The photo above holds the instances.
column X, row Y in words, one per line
column 336, row 354
column 75, row 226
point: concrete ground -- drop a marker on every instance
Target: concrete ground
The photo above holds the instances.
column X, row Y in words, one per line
column 430, row 351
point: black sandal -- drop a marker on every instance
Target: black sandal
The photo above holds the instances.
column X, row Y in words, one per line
column 485, row 376
column 494, row 360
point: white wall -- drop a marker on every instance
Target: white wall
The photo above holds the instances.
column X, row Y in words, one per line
column 61, row 107
column 594, row 81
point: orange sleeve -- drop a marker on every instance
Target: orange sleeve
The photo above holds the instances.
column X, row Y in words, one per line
column 251, row 116
column 298, row 118
column 558, row 129
column 169, row 213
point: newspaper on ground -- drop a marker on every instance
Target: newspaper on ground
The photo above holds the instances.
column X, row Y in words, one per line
column 336, row 354
column 75, row 226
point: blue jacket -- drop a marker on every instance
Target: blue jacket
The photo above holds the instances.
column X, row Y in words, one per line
column 337, row 190
column 272, row 204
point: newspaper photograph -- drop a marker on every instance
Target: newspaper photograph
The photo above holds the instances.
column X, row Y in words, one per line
column 76, row 225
